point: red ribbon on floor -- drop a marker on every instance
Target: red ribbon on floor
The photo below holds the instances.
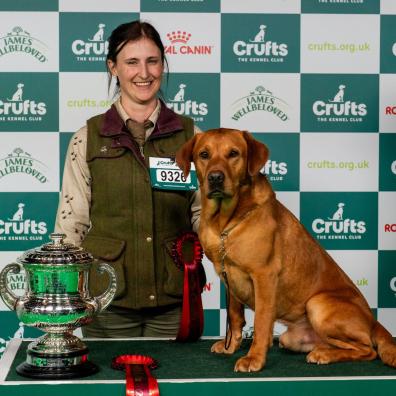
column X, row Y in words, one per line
column 139, row 380
column 192, row 321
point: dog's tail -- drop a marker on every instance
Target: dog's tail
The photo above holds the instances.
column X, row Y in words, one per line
column 385, row 344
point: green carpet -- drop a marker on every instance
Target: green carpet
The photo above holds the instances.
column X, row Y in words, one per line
column 194, row 360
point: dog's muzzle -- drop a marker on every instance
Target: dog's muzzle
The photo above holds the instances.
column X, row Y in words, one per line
column 216, row 184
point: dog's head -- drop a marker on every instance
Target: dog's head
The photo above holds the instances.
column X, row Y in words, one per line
column 224, row 159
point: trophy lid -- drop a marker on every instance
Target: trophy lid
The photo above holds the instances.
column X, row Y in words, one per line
column 56, row 252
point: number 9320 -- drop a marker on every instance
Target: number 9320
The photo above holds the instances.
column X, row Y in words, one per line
column 173, row 176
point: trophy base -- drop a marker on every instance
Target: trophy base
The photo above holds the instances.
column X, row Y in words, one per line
column 56, row 373
column 65, row 365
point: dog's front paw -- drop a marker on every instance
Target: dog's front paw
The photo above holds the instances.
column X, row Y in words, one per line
column 219, row 347
column 249, row 364
column 318, row 357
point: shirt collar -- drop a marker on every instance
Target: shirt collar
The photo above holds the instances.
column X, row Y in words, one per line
column 164, row 119
column 125, row 117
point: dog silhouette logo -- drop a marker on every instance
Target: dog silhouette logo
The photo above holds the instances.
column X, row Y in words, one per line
column 99, row 35
column 17, row 96
column 259, row 37
column 18, row 215
column 179, row 97
column 339, row 213
column 339, row 97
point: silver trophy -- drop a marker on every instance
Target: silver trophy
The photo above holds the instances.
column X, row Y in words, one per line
column 56, row 301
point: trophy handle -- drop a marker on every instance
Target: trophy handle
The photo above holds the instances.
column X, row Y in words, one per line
column 105, row 298
column 9, row 298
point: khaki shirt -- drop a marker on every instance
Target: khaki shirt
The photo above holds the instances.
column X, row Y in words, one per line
column 75, row 200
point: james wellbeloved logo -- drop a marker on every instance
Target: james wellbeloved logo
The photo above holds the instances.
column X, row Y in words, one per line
column 260, row 99
column 259, row 49
column 18, row 107
column 17, row 283
column 179, row 44
column 181, row 105
column 21, row 162
column 341, row 220
column 339, row 109
column 21, row 41
column 94, row 48
column 339, row 102
column 253, row 42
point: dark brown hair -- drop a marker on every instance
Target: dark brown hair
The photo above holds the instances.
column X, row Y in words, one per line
column 132, row 31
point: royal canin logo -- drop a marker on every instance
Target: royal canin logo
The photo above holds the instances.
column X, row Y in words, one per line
column 178, row 37
column 390, row 228
column 179, row 45
column 390, row 110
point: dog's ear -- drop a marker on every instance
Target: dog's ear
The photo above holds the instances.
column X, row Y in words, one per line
column 184, row 155
column 257, row 155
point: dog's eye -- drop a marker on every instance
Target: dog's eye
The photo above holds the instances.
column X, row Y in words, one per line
column 233, row 154
column 204, row 155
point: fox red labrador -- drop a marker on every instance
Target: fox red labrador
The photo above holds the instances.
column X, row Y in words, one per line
column 269, row 262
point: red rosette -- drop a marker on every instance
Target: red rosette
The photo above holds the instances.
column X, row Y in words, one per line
column 177, row 251
column 139, row 380
column 119, row 362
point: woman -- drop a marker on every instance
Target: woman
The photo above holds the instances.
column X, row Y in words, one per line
column 108, row 205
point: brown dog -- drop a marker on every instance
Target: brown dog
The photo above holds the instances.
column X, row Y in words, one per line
column 272, row 264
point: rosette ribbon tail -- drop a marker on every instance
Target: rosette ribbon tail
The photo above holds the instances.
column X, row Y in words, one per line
column 139, row 380
column 192, row 320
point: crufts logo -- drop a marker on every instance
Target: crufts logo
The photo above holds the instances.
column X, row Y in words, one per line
column 336, row 227
column 260, row 99
column 17, row 228
column 392, row 284
column 20, row 161
column 189, row 107
column 275, row 170
column 93, row 49
column 260, row 50
column 21, row 41
column 17, row 108
column 339, row 110
column 179, row 45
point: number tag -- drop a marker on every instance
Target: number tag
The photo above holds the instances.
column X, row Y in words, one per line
column 166, row 175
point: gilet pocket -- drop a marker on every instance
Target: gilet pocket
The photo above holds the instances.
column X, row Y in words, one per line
column 112, row 252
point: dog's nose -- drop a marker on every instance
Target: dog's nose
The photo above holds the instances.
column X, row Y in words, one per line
column 215, row 178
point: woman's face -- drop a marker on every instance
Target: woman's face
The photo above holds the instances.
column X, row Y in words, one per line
column 139, row 70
